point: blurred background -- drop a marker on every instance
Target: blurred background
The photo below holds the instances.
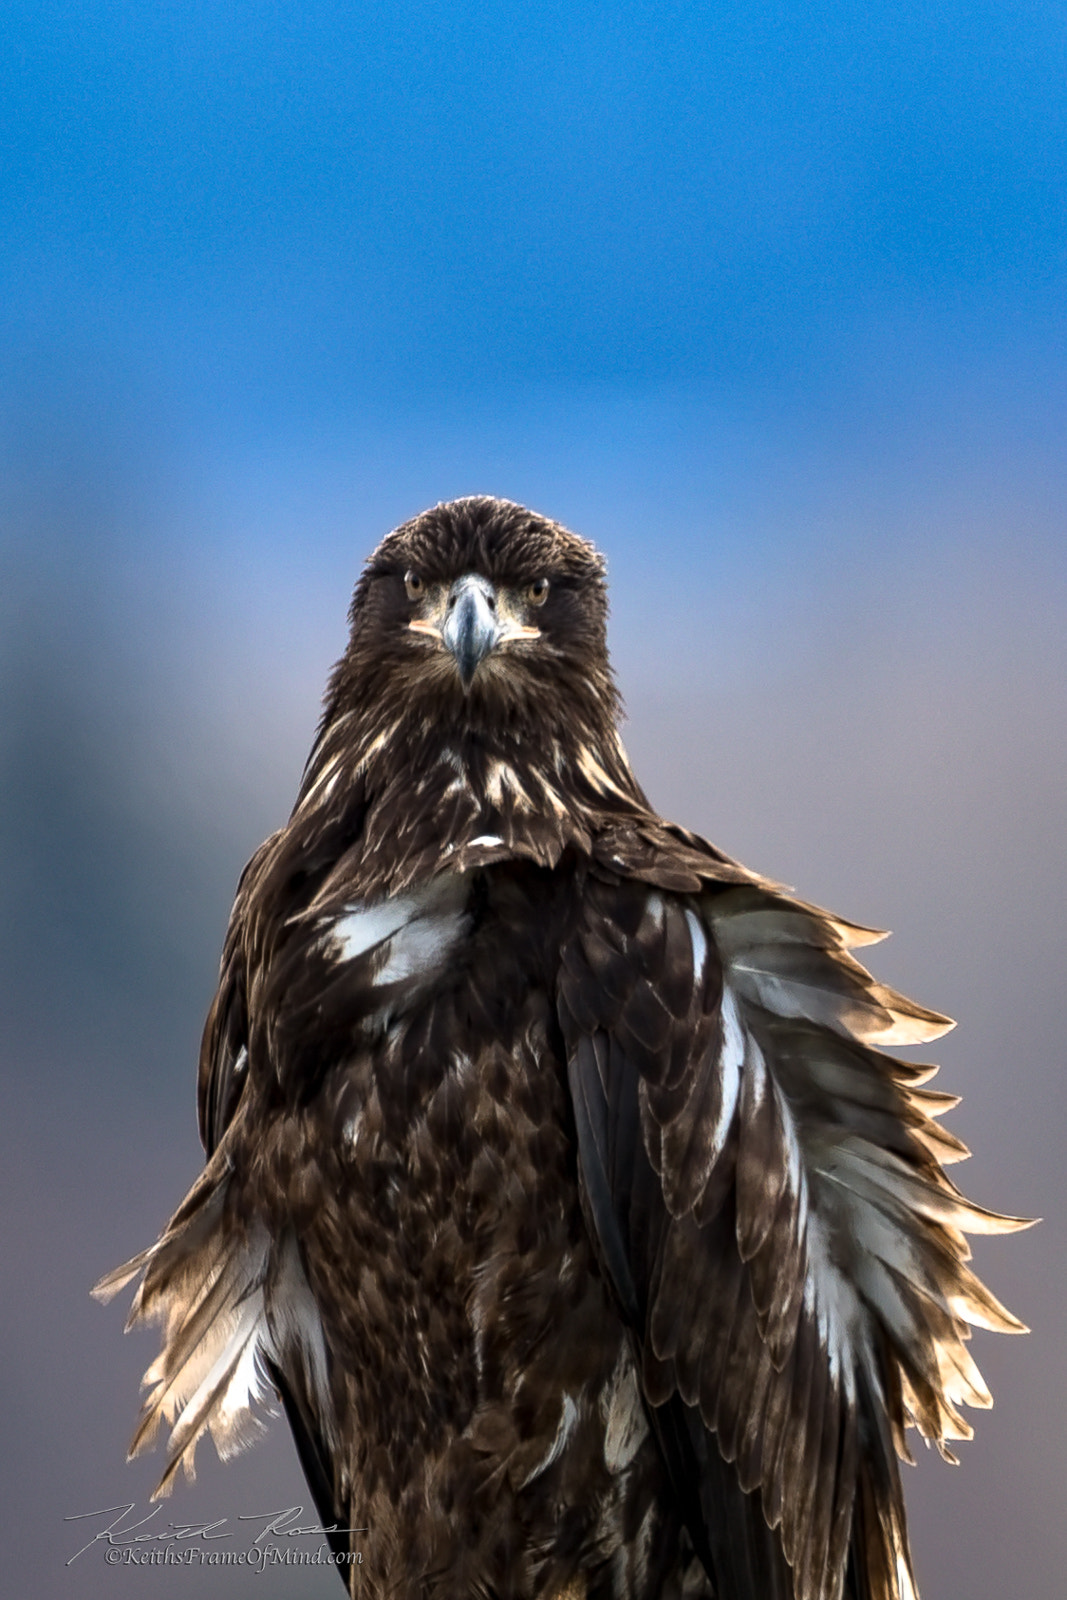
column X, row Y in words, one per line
column 767, row 300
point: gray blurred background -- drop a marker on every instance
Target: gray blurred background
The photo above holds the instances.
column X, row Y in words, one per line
column 770, row 306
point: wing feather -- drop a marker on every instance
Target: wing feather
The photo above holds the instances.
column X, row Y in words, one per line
column 765, row 1188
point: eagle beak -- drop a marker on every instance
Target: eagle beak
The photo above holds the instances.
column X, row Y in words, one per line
column 471, row 627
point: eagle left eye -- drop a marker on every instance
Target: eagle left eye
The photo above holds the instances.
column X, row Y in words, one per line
column 537, row 593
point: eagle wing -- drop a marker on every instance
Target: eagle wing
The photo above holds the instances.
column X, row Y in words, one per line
column 765, row 1190
column 223, row 1074
column 222, row 1078
column 224, row 1051
column 210, row 1276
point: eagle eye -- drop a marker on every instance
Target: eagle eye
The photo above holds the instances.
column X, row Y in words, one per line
column 413, row 584
column 537, row 593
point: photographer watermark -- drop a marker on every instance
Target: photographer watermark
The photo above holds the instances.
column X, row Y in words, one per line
column 268, row 1539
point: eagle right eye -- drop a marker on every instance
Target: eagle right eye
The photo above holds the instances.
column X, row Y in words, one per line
column 413, row 585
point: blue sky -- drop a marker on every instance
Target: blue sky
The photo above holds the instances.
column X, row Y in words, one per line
column 767, row 287
column 321, row 206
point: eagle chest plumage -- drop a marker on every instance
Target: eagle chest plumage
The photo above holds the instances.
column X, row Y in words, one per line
column 481, row 1389
column 559, row 1183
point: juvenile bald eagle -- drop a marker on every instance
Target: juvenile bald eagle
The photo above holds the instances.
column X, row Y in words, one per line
column 557, row 1180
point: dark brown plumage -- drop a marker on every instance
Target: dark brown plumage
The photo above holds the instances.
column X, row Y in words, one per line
column 557, row 1182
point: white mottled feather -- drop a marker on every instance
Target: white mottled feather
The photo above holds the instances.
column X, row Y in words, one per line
column 362, row 928
column 623, row 1413
column 731, row 1062
column 700, row 945
column 568, row 1418
column 408, row 936
column 230, row 1302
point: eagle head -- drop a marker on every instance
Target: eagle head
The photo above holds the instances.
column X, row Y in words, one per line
column 474, row 700
column 478, row 613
